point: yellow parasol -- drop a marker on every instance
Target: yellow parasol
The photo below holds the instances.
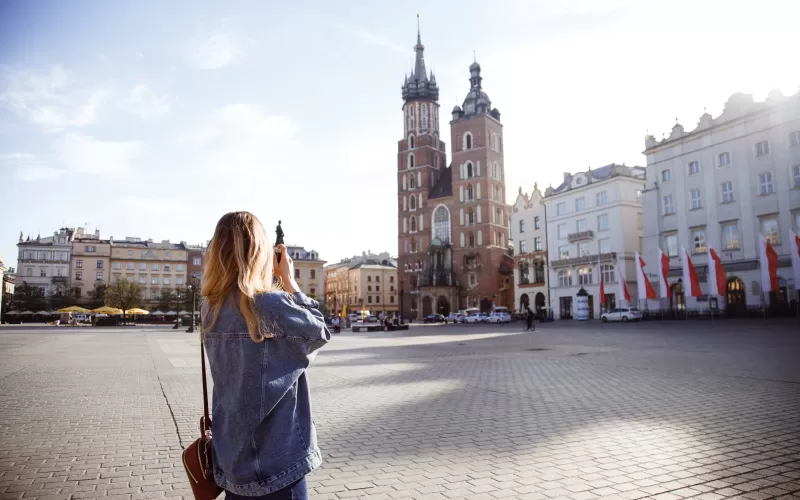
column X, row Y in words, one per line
column 74, row 309
column 344, row 311
column 136, row 310
column 107, row 310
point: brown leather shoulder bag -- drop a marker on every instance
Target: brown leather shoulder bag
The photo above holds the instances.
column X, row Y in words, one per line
column 197, row 457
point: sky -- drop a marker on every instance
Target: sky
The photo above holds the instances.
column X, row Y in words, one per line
column 152, row 119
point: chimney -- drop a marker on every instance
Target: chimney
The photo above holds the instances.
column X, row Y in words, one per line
column 566, row 176
column 97, row 233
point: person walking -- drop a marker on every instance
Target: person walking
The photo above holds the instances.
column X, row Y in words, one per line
column 260, row 341
column 529, row 319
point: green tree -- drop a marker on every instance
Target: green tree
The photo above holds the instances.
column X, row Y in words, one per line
column 186, row 296
column 29, row 298
column 61, row 297
column 97, row 296
column 124, row 294
column 167, row 300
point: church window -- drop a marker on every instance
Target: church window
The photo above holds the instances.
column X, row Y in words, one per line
column 467, row 141
column 470, row 217
column 441, row 224
column 470, row 171
column 412, row 201
column 424, row 115
column 411, row 121
column 495, row 142
column 470, row 194
column 410, row 142
column 412, row 182
column 411, row 160
column 413, row 227
column 471, row 240
column 435, row 161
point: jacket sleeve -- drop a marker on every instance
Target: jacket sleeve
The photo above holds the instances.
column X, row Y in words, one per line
column 300, row 321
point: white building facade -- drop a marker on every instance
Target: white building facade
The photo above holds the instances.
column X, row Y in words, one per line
column 720, row 185
column 44, row 262
column 594, row 228
column 529, row 237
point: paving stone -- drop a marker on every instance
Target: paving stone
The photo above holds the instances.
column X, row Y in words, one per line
column 666, row 411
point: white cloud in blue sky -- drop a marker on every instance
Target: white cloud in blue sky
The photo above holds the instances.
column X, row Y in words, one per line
column 152, row 119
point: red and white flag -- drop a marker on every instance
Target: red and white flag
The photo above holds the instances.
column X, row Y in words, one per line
column 717, row 277
column 623, row 287
column 769, row 266
column 691, row 284
column 643, row 285
column 602, row 285
column 663, row 269
column 794, row 249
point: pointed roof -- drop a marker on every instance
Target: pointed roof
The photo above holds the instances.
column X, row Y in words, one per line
column 418, row 85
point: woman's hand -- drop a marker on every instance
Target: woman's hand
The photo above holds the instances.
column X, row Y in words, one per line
column 284, row 270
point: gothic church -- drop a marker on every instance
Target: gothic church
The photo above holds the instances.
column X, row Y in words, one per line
column 453, row 221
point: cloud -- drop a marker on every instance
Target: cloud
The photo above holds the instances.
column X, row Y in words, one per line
column 241, row 137
column 372, row 39
column 144, row 102
column 82, row 153
column 28, row 167
column 212, row 50
column 53, row 99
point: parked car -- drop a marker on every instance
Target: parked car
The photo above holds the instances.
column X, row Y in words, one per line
column 477, row 318
column 455, row 318
column 621, row 314
column 435, row 318
column 499, row 317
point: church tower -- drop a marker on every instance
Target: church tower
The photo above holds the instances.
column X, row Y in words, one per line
column 479, row 192
column 420, row 160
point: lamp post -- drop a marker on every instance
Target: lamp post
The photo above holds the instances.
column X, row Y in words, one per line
column 193, row 291
column 402, row 283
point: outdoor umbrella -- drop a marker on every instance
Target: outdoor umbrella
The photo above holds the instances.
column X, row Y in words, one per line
column 27, row 312
column 43, row 313
column 136, row 310
column 184, row 313
column 74, row 309
column 157, row 313
column 170, row 313
column 12, row 313
column 107, row 310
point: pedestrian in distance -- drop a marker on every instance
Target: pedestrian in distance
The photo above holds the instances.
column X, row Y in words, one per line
column 260, row 341
column 529, row 325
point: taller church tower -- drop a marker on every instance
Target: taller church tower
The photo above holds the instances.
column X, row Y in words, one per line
column 420, row 161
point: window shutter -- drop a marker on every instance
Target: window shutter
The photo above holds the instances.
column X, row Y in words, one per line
column 478, row 192
column 462, row 240
column 480, row 237
column 479, row 214
column 461, row 219
column 461, row 193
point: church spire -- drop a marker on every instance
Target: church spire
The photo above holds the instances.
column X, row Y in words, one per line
column 419, row 65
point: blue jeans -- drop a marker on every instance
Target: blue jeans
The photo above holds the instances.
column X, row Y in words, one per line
column 296, row 491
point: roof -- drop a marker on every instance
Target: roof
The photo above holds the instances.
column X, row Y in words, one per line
column 373, row 264
column 444, row 186
column 596, row 175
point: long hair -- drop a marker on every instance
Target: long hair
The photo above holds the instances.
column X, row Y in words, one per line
column 238, row 266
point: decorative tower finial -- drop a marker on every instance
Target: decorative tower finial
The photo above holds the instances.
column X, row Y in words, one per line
column 419, row 37
column 474, row 57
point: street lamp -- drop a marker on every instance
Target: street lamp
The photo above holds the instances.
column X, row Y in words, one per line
column 193, row 291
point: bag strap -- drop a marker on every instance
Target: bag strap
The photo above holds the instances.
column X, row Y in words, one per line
column 205, row 424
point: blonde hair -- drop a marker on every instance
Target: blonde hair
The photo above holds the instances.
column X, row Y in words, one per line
column 238, row 266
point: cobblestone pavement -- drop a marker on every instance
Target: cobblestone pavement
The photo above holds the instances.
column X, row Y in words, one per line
column 573, row 411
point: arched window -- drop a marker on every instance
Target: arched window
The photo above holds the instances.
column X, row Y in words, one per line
column 441, row 224
column 471, row 239
column 470, row 171
column 470, row 217
column 424, row 115
column 412, row 201
column 410, row 142
column 412, row 182
column 470, row 194
column 467, row 140
column 411, row 160
column 495, row 142
column 412, row 124
column 435, row 161
column 413, row 225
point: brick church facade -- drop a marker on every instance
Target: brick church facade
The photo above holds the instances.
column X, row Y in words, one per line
column 453, row 220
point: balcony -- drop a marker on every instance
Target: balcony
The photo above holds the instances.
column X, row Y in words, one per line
column 586, row 259
column 580, row 236
column 59, row 280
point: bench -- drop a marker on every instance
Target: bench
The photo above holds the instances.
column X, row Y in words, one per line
column 369, row 328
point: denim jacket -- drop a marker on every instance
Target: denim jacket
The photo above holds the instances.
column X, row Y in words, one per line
column 263, row 435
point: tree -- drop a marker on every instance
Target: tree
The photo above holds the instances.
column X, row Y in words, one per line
column 29, row 298
column 124, row 294
column 61, row 297
column 97, row 296
column 167, row 301
column 186, row 296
